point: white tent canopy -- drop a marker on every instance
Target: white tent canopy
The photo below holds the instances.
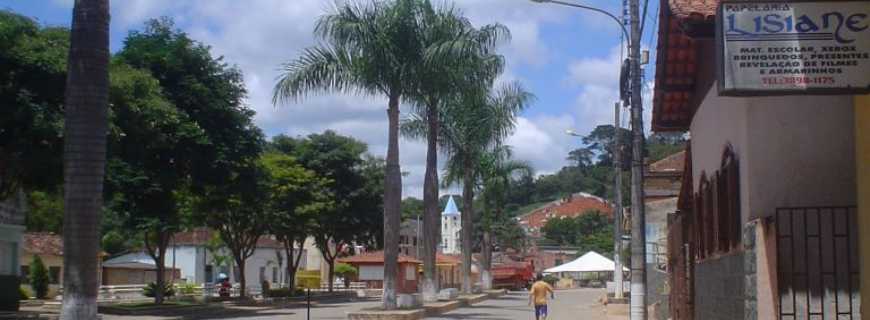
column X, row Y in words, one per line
column 589, row 262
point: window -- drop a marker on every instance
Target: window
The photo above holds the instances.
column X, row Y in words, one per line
column 54, row 275
column 415, row 241
column 262, row 274
column 209, row 273
column 275, row 274
column 410, row 272
column 25, row 274
column 717, row 224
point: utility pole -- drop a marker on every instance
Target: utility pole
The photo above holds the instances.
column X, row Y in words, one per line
column 638, row 217
column 617, row 205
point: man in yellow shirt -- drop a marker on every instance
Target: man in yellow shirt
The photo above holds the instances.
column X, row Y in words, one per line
column 538, row 296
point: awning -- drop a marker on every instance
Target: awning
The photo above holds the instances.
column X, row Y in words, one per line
column 589, row 262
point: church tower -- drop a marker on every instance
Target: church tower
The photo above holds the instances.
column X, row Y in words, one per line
column 451, row 223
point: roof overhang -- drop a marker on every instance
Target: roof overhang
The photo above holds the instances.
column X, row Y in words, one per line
column 680, row 23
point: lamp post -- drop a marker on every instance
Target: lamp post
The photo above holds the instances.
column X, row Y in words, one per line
column 638, row 218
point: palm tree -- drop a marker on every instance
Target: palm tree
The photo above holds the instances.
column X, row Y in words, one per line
column 368, row 49
column 86, row 105
column 497, row 170
column 472, row 123
column 457, row 55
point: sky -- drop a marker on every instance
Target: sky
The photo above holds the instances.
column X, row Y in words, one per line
column 569, row 58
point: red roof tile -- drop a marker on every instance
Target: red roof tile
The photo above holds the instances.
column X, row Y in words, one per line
column 672, row 163
column 574, row 206
column 43, row 243
column 375, row 257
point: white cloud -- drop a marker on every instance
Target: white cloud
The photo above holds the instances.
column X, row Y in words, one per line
column 259, row 35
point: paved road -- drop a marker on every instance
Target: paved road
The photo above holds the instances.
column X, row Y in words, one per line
column 575, row 304
column 321, row 311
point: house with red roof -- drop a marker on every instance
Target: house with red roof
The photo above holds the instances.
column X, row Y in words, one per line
column 370, row 270
column 48, row 246
column 568, row 207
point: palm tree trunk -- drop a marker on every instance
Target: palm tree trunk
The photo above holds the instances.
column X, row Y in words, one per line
column 466, row 216
column 486, row 264
column 431, row 225
column 86, row 105
column 392, row 206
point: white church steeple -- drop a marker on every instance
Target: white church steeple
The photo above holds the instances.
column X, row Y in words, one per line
column 451, row 224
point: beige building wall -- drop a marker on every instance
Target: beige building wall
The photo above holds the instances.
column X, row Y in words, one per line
column 793, row 150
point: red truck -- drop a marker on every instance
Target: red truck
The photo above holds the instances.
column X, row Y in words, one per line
column 512, row 275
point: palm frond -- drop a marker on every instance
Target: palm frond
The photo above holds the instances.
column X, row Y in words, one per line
column 318, row 69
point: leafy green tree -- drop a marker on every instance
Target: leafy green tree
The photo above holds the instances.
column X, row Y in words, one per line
column 562, row 231
column 412, row 208
column 294, row 194
column 33, row 61
column 152, row 152
column 238, row 211
column 207, row 89
column 345, row 271
column 349, row 211
column 366, row 49
column 39, row 278
column 86, row 104
column 214, row 130
column 45, row 212
column 600, row 142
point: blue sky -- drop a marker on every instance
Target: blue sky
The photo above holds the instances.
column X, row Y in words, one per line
column 567, row 57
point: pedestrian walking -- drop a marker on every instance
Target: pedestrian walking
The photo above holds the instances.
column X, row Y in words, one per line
column 538, row 296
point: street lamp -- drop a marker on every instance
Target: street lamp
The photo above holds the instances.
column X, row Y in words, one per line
column 570, row 4
column 638, row 218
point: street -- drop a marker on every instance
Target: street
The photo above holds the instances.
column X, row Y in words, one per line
column 569, row 304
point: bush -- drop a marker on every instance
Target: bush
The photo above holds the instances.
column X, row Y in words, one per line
column 187, row 288
column 551, row 279
column 23, row 294
column 168, row 290
column 39, row 278
column 284, row 292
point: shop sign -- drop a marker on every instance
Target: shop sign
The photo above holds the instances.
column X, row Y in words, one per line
column 793, row 47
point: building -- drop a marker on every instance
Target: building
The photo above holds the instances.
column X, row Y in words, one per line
column 410, row 239
column 370, row 269
column 189, row 253
column 48, row 247
column 451, row 225
column 775, row 201
column 12, row 211
column 662, row 184
column 571, row 206
column 134, row 269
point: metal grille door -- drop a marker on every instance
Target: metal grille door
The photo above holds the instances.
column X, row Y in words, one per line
column 817, row 263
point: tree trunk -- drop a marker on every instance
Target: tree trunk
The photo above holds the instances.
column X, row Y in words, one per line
column 86, row 104
column 466, row 216
column 240, row 264
column 392, row 206
column 431, row 223
column 161, row 277
column 330, row 274
column 486, row 264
